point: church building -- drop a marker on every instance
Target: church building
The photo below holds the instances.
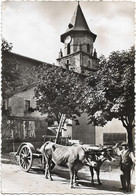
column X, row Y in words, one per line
column 79, row 56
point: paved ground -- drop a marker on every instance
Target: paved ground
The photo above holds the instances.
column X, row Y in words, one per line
column 14, row 180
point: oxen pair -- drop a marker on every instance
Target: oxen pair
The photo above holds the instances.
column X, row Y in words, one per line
column 74, row 157
column 99, row 155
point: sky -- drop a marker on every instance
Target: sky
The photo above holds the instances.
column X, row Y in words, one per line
column 34, row 27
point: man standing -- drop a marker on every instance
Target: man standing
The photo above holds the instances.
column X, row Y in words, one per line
column 126, row 163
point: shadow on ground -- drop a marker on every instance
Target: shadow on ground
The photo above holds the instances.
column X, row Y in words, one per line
column 85, row 177
column 85, row 180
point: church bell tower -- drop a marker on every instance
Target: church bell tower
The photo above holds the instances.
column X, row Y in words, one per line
column 79, row 54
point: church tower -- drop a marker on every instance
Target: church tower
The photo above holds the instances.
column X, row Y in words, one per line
column 79, row 54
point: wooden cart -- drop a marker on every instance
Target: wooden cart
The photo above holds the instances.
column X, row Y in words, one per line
column 25, row 154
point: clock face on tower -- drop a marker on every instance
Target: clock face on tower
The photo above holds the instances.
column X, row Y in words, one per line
column 68, row 39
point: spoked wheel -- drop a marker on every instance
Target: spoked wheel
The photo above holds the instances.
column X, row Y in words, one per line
column 25, row 158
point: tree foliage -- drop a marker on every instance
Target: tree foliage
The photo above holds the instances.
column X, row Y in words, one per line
column 58, row 92
column 104, row 95
column 10, row 73
column 112, row 90
column 6, row 46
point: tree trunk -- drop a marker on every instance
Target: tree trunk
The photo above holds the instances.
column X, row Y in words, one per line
column 130, row 138
column 129, row 126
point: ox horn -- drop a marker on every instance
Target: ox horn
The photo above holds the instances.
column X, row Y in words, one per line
column 116, row 145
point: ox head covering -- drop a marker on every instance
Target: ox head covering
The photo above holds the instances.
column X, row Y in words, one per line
column 109, row 148
column 124, row 144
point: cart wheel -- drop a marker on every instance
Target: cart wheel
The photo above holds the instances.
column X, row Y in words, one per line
column 25, row 158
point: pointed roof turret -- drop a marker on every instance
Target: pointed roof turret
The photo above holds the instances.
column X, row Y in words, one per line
column 78, row 23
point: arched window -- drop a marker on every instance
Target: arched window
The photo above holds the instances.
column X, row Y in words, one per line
column 88, row 48
column 67, row 65
column 68, row 48
column 89, row 63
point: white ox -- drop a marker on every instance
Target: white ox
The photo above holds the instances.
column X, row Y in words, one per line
column 74, row 157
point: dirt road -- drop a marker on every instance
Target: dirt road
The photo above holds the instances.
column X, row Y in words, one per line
column 14, row 180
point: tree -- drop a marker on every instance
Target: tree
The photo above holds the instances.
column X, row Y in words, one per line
column 111, row 91
column 6, row 46
column 58, row 92
column 10, row 74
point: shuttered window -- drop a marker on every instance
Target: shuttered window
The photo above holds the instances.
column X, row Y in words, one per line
column 27, row 104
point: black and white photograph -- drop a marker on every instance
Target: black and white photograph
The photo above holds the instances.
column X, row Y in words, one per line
column 68, row 97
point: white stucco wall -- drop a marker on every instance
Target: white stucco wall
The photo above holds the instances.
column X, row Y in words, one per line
column 67, row 132
column 17, row 103
column 114, row 126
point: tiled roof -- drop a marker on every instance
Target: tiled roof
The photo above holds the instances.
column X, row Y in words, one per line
column 78, row 23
